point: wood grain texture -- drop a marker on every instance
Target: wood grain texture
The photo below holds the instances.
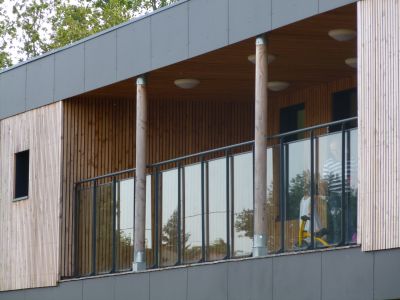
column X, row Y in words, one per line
column 379, row 122
column 29, row 235
column 100, row 134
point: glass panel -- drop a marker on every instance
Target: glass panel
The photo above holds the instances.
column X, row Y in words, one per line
column 242, row 193
column 85, row 196
column 192, row 214
column 216, row 209
column 329, row 189
column 298, row 201
column 169, row 218
column 124, row 223
column 351, row 182
column 273, row 181
column 104, row 228
column 149, row 222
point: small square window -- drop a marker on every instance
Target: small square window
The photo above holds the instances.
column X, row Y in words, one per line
column 21, row 180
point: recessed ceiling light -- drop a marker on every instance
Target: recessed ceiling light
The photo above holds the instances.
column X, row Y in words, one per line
column 187, row 83
column 277, row 86
column 342, row 35
column 252, row 58
column 352, row 62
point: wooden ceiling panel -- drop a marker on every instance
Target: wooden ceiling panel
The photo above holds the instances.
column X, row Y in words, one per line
column 305, row 56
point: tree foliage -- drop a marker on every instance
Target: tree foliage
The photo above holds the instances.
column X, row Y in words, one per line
column 38, row 26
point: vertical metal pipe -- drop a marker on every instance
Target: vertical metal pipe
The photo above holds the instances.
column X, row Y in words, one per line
column 312, row 189
column 114, row 211
column 228, row 246
column 260, row 132
column 94, row 231
column 342, row 202
column 282, row 193
column 140, row 191
column 203, row 227
column 179, row 232
column 76, row 232
column 156, row 218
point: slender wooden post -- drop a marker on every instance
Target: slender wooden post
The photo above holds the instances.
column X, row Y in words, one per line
column 140, row 189
column 260, row 156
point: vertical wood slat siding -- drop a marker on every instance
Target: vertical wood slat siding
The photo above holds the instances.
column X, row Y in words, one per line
column 30, row 235
column 176, row 128
column 379, row 122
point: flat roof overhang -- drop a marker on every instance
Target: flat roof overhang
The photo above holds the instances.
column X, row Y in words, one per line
column 168, row 36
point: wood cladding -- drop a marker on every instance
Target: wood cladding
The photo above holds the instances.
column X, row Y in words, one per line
column 99, row 134
column 379, row 122
column 29, row 235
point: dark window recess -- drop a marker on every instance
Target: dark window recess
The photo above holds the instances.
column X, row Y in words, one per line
column 21, row 174
column 292, row 118
column 344, row 106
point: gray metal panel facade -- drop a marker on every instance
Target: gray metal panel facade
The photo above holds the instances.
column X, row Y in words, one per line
column 289, row 11
column 333, row 274
column 133, row 57
column 12, row 90
column 40, row 89
column 248, row 18
column 165, row 37
column 208, row 25
column 69, row 72
column 169, row 36
column 101, row 61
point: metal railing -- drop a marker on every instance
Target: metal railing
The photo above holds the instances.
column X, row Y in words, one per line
column 200, row 207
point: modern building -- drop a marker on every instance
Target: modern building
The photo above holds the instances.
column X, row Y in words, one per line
column 214, row 149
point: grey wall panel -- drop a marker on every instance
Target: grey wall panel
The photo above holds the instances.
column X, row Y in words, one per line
column 289, row 11
column 297, row 277
column 208, row 282
column 248, row 18
column 168, row 284
column 169, row 36
column 69, row 290
column 41, row 294
column 134, row 284
column 69, row 72
column 133, row 49
column 40, row 82
column 14, row 295
column 387, row 274
column 347, row 275
column 325, row 5
column 250, row 279
column 12, row 87
column 208, row 25
column 98, row 289
column 101, row 61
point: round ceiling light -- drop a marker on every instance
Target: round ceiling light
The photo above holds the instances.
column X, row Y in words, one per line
column 252, row 58
column 187, row 83
column 351, row 62
column 277, row 86
column 342, row 35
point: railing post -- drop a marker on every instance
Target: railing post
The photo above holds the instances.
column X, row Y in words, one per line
column 260, row 132
column 343, row 190
column 282, row 193
column 179, row 229
column 228, row 246
column 114, row 210
column 203, row 227
column 94, row 229
column 76, row 231
column 156, row 218
column 140, row 191
column 312, row 190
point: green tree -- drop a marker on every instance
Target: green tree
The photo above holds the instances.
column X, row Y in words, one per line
column 6, row 33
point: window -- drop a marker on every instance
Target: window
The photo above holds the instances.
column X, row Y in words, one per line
column 344, row 106
column 292, row 118
column 21, row 180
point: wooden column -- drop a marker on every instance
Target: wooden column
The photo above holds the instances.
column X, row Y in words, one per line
column 139, row 262
column 260, row 164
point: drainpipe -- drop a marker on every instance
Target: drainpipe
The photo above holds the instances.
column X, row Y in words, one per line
column 139, row 262
column 260, row 163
